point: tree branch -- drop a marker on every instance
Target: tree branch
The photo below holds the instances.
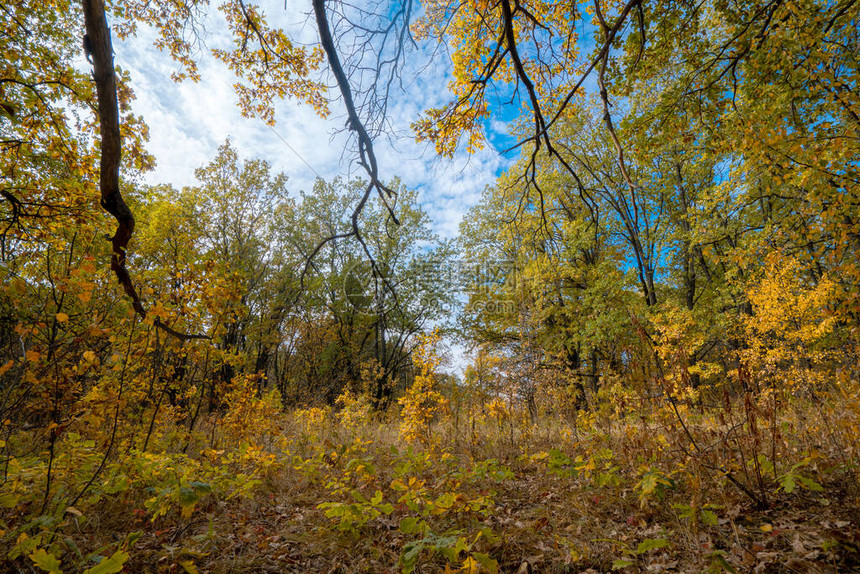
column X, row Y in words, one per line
column 99, row 42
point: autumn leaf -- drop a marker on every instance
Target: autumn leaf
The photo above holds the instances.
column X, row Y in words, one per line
column 47, row 562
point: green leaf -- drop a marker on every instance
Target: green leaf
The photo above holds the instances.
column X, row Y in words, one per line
column 487, row 563
column 444, row 503
column 187, row 496
column 608, row 478
column 451, row 546
column 132, row 538
column 684, row 511
column 651, row 481
column 119, row 483
column 787, row 483
column 621, row 563
column 46, row 561
column 810, row 484
column 25, row 545
column 200, row 487
column 557, row 459
column 9, row 500
column 709, row 517
column 73, row 546
column 410, row 525
column 651, row 544
column 109, row 565
column 718, row 559
column 409, row 556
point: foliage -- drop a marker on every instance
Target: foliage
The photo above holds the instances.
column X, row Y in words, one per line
column 421, row 403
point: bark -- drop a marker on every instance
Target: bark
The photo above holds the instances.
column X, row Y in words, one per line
column 99, row 51
column 98, row 40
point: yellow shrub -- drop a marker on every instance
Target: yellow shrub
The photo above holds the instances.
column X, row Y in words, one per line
column 498, row 410
column 312, row 419
column 789, row 326
column 354, row 409
column 251, row 416
column 422, row 403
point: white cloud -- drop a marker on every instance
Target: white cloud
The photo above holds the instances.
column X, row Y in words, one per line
column 189, row 121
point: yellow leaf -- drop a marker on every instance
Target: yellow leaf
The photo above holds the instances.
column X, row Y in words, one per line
column 45, row 561
column 32, row 356
column 470, row 566
column 6, row 367
column 89, row 356
column 62, row 317
column 110, row 565
column 766, row 527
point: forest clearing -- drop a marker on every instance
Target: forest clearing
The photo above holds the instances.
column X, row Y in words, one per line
column 476, row 286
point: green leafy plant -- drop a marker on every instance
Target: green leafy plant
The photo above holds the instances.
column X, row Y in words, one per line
column 351, row 516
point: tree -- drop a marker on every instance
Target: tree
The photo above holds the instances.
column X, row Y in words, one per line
column 378, row 308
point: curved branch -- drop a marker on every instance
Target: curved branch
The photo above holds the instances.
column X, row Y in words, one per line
column 99, row 42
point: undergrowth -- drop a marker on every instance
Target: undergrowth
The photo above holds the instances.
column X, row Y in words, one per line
column 314, row 490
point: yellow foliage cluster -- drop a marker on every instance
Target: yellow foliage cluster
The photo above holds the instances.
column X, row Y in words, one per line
column 253, row 414
column 312, row 420
column 422, row 403
column 354, row 409
column 790, row 322
column 498, row 410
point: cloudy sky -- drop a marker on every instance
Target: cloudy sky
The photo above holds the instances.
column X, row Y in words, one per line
column 188, row 121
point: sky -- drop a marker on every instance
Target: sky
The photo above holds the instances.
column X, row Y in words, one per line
column 188, row 121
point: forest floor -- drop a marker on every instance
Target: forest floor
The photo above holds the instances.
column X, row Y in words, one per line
column 358, row 500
